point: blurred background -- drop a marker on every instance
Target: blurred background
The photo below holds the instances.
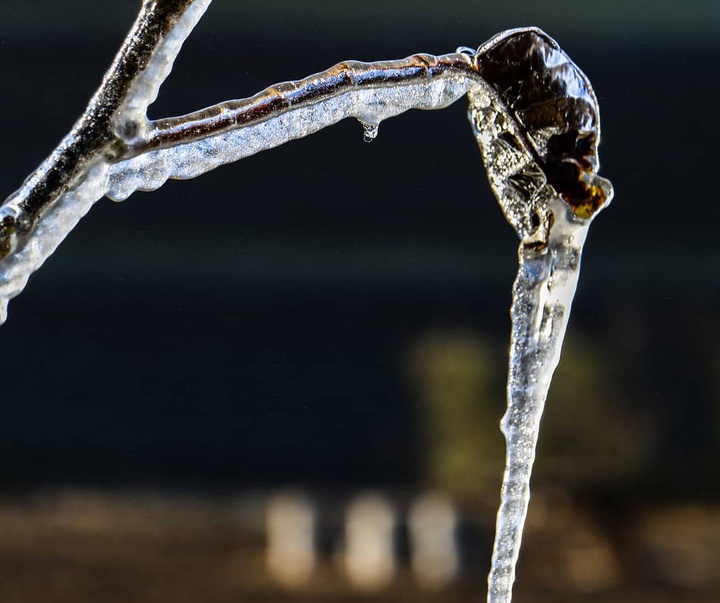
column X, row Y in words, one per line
column 282, row 381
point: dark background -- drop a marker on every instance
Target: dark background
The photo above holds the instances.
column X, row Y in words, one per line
column 334, row 315
column 292, row 317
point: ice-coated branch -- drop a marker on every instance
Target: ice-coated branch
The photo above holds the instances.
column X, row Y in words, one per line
column 114, row 149
column 534, row 116
column 37, row 217
column 187, row 146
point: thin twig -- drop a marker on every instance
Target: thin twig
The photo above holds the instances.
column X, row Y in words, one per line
column 114, row 149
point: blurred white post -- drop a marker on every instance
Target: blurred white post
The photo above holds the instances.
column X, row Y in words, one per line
column 291, row 553
column 432, row 523
column 370, row 542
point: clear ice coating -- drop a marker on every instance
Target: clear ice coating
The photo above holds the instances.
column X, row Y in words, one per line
column 372, row 105
column 541, row 166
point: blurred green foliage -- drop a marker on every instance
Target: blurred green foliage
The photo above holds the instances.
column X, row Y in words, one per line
column 459, row 384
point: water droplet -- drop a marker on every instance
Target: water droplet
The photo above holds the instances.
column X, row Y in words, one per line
column 370, row 131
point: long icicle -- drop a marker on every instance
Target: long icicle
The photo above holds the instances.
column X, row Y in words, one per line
column 542, row 298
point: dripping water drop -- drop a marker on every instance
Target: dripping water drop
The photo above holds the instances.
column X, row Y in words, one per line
column 370, row 131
